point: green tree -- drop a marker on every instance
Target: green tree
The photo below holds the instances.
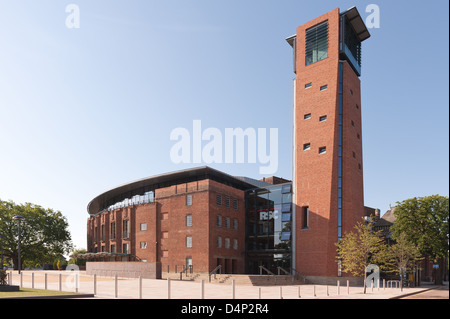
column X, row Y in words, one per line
column 78, row 261
column 361, row 248
column 403, row 253
column 424, row 221
column 44, row 233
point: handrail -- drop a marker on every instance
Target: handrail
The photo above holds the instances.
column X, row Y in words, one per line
column 300, row 275
column 261, row 268
column 219, row 267
column 284, row 270
column 185, row 269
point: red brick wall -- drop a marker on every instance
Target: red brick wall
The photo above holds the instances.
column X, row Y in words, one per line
column 167, row 231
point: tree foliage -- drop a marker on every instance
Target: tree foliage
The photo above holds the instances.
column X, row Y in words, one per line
column 44, row 233
column 360, row 248
column 424, row 221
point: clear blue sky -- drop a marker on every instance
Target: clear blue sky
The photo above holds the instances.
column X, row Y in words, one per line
column 84, row 110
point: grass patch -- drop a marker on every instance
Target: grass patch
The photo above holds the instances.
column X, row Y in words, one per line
column 28, row 292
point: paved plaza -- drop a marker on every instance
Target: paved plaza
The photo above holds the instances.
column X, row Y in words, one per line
column 126, row 288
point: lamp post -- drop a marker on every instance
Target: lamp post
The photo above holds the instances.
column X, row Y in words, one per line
column 19, row 219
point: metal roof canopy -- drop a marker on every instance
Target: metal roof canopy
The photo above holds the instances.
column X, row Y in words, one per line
column 166, row 179
column 357, row 23
column 355, row 20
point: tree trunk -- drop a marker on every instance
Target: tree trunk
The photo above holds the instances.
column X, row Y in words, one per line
column 401, row 279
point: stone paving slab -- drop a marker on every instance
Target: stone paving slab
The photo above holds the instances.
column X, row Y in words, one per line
column 158, row 289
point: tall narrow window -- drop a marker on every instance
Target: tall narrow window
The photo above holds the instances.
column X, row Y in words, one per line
column 189, row 242
column 113, row 231
column 316, row 47
column 125, row 233
column 305, row 213
column 188, row 200
column 189, row 220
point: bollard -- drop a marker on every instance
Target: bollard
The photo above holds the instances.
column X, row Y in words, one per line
column 299, row 292
column 259, row 292
column 95, row 284
column 327, row 291
column 140, row 287
column 314, row 290
column 45, row 281
column 21, row 279
column 281, row 292
column 60, row 282
column 202, row 289
column 168, row 288
column 348, row 287
column 76, row 282
column 32, row 280
column 115, row 286
column 338, row 287
column 233, row 288
column 384, row 284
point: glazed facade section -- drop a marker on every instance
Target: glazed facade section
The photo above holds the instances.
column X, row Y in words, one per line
column 269, row 228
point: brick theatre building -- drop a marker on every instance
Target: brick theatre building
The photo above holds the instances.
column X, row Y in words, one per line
column 205, row 218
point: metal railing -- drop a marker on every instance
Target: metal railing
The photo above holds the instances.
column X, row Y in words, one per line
column 214, row 272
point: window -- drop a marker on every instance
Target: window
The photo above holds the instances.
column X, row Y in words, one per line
column 351, row 92
column 189, row 220
column 143, row 226
column 235, row 204
column 227, row 202
column 286, row 235
column 322, row 118
column 219, row 200
column 316, row 43
column 235, row 224
column 305, row 217
column 113, row 249
column 227, row 243
column 354, row 155
column 286, row 189
column 323, row 87
column 125, row 248
column 189, row 242
column 143, row 245
column 227, row 222
column 235, row 244
column 286, row 217
column 219, row 242
column 125, row 233
column 353, row 123
column 188, row 200
column 307, row 116
column 219, row 221
column 322, row 150
column 358, row 136
column 306, row 146
column 308, row 85
column 113, row 230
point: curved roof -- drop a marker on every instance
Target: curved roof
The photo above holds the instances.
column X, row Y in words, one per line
column 103, row 200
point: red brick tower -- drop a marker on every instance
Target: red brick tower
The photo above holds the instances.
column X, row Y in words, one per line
column 328, row 175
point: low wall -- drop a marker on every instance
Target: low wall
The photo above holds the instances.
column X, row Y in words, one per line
column 130, row 269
